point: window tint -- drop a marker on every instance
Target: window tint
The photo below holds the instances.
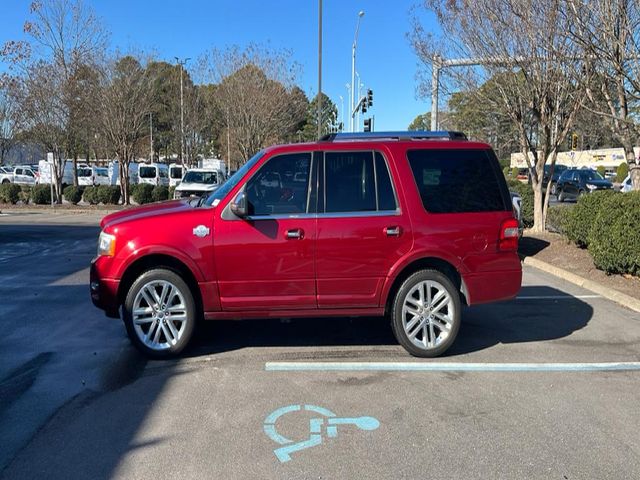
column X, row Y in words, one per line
column 457, row 181
column 386, row 197
column 349, row 182
column 280, row 186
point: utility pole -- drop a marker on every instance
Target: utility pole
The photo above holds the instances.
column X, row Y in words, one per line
column 353, row 70
column 182, row 63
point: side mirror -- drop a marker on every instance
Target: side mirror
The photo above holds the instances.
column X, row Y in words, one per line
column 239, row 205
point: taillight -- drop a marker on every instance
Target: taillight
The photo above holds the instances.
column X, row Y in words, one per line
column 509, row 235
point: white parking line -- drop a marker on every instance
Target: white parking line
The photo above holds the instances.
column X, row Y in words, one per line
column 447, row 367
column 557, row 297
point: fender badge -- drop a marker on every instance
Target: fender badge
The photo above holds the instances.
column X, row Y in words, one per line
column 201, row 231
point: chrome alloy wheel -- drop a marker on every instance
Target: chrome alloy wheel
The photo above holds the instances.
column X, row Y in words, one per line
column 159, row 315
column 428, row 314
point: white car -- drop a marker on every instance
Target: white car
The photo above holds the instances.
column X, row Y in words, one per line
column 20, row 176
column 626, row 185
column 199, row 182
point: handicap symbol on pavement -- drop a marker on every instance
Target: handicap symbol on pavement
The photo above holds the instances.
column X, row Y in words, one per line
column 330, row 424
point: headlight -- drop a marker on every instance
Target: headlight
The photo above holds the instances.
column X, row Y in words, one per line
column 591, row 187
column 106, row 244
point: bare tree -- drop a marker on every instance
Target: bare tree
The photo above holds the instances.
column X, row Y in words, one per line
column 124, row 101
column 535, row 67
column 254, row 96
column 8, row 117
column 609, row 33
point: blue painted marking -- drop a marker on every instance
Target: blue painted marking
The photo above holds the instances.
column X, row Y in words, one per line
column 283, row 454
column 448, row 367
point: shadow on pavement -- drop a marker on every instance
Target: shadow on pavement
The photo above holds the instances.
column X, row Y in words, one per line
column 530, row 246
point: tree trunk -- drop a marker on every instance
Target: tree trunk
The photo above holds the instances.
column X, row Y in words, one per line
column 538, row 207
column 634, row 168
column 75, row 169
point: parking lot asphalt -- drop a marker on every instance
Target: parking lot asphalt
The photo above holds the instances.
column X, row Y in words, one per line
column 77, row 401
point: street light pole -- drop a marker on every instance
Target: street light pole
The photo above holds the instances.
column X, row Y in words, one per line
column 319, row 68
column 182, row 63
column 151, row 137
column 353, row 69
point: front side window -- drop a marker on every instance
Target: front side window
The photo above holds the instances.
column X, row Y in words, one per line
column 209, row 178
column 175, row 172
column 273, row 190
column 458, row 181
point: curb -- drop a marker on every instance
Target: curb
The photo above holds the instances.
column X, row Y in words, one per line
column 608, row 293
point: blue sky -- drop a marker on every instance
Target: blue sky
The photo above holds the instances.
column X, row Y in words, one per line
column 187, row 28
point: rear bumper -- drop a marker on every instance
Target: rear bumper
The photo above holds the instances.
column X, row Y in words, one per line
column 104, row 292
column 489, row 287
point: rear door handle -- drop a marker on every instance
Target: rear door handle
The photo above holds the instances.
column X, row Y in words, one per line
column 295, row 234
column 392, row 231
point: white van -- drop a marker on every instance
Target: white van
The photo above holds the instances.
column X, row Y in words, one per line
column 90, row 175
column 45, row 171
column 176, row 172
column 154, row 174
column 114, row 173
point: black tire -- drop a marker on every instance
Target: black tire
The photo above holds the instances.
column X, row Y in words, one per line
column 6, row 181
column 174, row 279
column 561, row 196
column 554, row 188
column 397, row 313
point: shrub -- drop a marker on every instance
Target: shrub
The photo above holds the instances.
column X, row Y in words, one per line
column 506, row 171
column 514, row 173
column 160, row 193
column 41, row 194
column 90, row 195
column 25, row 193
column 622, row 172
column 142, row 193
column 72, row 194
column 614, row 243
column 580, row 221
column 526, row 193
column 601, row 170
column 558, row 218
column 108, row 194
column 9, row 193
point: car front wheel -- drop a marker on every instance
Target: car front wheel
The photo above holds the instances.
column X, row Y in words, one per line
column 426, row 314
column 554, row 189
column 160, row 313
column 561, row 196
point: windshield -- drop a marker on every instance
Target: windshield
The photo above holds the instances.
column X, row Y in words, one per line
column 209, row 178
column 147, row 172
column 84, row 172
column 590, row 175
column 233, row 180
column 175, row 172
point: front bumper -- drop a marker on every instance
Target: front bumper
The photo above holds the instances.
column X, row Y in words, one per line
column 104, row 292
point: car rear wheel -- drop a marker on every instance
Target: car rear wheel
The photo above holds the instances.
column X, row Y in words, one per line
column 426, row 314
column 160, row 313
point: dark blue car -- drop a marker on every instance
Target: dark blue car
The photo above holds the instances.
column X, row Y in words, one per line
column 575, row 182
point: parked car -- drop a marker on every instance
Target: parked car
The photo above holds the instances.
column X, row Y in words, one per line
column 198, row 182
column 516, row 201
column 19, row 175
column 575, row 182
column 411, row 225
column 90, row 175
column 154, row 174
column 626, row 185
column 552, row 180
column 176, row 172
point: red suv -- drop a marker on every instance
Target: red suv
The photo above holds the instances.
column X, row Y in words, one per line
column 412, row 225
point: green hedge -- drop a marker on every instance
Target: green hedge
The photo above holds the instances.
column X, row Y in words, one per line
column 580, row 221
column 142, row 193
column 41, row 194
column 526, row 193
column 614, row 242
column 9, row 193
column 622, row 172
column 558, row 218
column 108, row 194
column 172, row 191
column 90, row 195
column 72, row 194
column 25, row 193
column 160, row 193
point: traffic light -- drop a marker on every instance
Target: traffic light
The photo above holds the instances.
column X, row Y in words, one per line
column 363, row 107
column 367, row 124
column 369, row 98
column 574, row 141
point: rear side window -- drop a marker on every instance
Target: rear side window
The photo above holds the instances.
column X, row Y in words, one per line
column 357, row 182
column 458, row 181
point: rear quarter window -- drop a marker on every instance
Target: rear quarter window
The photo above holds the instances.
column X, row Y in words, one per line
column 459, row 180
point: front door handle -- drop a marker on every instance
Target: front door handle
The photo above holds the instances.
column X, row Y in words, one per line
column 392, row 231
column 295, row 234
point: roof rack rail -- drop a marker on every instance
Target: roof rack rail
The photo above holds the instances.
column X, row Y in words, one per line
column 400, row 136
